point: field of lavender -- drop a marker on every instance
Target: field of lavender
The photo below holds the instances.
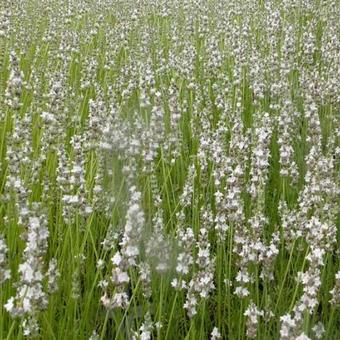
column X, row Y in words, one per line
column 169, row 169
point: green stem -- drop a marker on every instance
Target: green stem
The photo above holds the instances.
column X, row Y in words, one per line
column 171, row 315
column 285, row 277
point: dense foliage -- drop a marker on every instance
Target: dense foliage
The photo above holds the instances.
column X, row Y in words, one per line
column 169, row 169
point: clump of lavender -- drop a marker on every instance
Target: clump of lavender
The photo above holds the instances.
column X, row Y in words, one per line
column 202, row 283
column 260, row 158
column 311, row 283
column 133, row 228
column 75, row 200
column 185, row 260
column 15, row 84
column 216, row 110
column 31, row 297
column 127, row 256
column 287, row 118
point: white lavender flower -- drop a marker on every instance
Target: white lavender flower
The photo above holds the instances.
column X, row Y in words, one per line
column 252, row 313
column 30, row 296
column 53, row 275
column 5, row 273
column 215, row 334
column 145, row 330
column 335, row 292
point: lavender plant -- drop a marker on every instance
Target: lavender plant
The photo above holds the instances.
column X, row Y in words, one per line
column 169, row 169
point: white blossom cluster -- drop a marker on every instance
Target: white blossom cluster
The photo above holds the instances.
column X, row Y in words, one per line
column 5, row 273
column 127, row 256
column 31, row 296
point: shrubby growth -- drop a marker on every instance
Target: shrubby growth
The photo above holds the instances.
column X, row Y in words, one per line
column 169, row 169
